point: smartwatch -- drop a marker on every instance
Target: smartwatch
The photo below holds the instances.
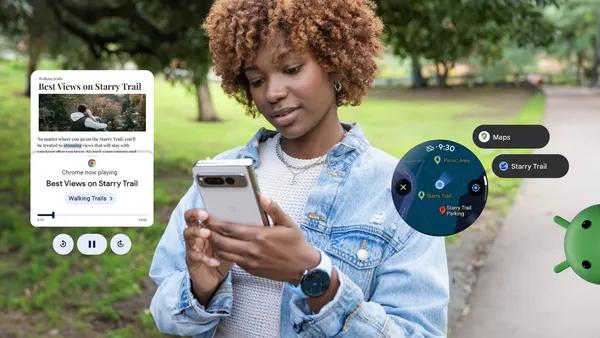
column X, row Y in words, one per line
column 315, row 282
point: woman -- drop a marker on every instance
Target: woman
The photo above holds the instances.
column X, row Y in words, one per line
column 84, row 120
column 325, row 187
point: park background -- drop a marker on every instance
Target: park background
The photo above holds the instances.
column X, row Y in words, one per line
column 448, row 69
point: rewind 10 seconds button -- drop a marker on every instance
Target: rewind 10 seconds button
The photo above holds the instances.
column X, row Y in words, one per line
column 63, row 244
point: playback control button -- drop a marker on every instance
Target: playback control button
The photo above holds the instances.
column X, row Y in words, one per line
column 120, row 244
column 63, row 244
column 91, row 244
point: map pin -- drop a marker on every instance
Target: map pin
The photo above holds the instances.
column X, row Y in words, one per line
column 442, row 209
column 421, row 194
column 437, row 159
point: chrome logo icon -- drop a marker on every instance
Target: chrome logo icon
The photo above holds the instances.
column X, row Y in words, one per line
column 92, row 163
column 484, row 136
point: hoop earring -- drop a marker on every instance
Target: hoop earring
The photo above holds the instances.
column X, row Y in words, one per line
column 337, row 86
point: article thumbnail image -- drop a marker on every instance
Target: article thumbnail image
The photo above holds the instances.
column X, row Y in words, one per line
column 92, row 112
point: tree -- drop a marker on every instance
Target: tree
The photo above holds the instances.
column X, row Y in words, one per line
column 24, row 21
column 139, row 107
column 445, row 31
column 27, row 23
column 578, row 24
column 153, row 33
column 405, row 32
column 514, row 60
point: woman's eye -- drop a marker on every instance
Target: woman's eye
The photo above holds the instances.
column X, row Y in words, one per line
column 289, row 71
column 256, row 83
column 293, row 70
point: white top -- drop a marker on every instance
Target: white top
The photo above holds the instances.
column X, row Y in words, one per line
column 256, row 301
column 88, row 121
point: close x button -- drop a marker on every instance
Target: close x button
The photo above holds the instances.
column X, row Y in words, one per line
column 403, row 187
column 91, row 244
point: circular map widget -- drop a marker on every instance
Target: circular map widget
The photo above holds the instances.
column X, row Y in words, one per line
column 439, row 188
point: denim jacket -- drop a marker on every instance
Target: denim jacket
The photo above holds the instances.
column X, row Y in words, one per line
column 400, row 289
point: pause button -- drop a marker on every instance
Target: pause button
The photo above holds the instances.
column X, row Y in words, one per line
column 91, row 244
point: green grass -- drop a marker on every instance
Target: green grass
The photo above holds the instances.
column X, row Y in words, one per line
column 82, row 288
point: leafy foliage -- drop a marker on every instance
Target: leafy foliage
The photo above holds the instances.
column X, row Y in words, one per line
column 447, row 31
column 151, row 33
column 578, row 23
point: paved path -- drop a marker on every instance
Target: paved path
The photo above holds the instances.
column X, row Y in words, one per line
column 517, row 294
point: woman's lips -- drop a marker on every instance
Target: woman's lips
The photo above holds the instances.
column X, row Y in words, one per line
column 284, row 120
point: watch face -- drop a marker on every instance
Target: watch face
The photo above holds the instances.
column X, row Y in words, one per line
column 315, row 283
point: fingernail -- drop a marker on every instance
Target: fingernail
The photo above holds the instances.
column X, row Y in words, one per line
column 213, row 262
column 202, row 215
column 204, row 233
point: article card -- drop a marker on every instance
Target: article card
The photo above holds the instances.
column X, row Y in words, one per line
column 92, row 148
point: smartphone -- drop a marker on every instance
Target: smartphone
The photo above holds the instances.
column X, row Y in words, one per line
column 229, row 190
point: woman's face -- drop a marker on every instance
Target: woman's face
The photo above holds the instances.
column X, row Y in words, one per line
column 293, row 97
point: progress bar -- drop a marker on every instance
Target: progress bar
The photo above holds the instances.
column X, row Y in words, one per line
column 54, row 215
column 112, row 215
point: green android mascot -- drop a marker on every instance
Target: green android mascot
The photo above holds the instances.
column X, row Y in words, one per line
column 582, row 244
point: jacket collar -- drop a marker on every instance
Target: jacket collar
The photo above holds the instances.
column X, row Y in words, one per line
column 338, row 158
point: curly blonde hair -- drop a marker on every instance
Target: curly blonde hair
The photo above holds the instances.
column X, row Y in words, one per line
column 344, row 36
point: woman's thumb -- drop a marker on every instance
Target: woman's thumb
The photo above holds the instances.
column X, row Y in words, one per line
column 272, row 209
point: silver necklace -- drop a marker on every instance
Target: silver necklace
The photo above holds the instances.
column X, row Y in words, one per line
column 318, row 161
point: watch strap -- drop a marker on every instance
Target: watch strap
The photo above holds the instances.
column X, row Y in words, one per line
column 325, row 265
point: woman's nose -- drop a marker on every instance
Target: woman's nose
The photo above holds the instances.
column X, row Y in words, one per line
column 276, row 91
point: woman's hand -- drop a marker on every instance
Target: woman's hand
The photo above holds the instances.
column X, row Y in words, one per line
column 278, row 253
column 206, row 272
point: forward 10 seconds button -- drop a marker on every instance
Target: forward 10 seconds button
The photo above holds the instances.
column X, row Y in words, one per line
column 120, row 244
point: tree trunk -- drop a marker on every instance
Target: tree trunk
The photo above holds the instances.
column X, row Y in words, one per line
column 206, row 111
column 580, row 75
column 572, row 58
column 418, row 82
column 447, row 67
column 441, row 76
column 595, row 64
column 33, row 54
